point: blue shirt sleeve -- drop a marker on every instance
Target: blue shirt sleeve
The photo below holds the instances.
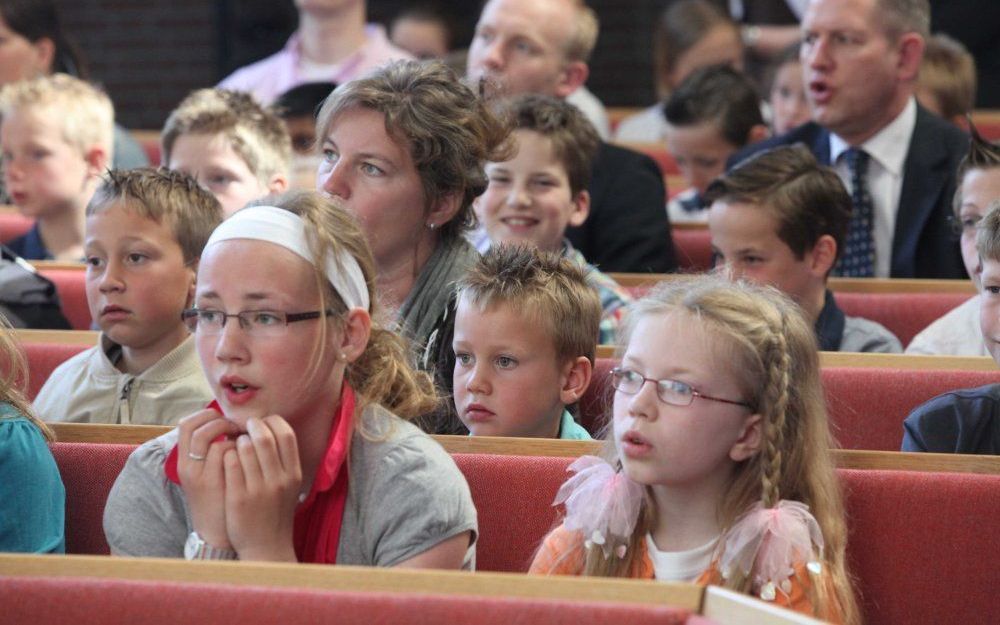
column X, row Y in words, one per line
column 32, row 496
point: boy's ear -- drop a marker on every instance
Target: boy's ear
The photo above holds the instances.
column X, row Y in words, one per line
column 357, row 330
column 97, row 160
column 193, row 268
column 750, row 439
column 445, row 209
column 581, row 209
column 572, row 77
column 277, row 184
column 576, row 379
column 823, row 256
column 759, row 132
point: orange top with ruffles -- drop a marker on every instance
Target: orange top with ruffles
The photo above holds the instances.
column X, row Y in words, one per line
column 563, row 553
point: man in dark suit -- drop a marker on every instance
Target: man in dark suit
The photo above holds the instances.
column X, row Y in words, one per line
column 542, row 46
column 860, row 61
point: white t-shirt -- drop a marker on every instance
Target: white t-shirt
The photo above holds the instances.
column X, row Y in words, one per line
column 680, row 566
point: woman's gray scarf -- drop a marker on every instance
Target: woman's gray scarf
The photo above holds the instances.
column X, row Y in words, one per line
column 421, row 313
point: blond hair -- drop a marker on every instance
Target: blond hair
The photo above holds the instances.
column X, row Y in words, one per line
column 446, row 129
column 14, row 375
column 382, row 374
column 543, row 286
column 162, row 194
column 586, row 27
column 256, row 133
column 948, row 72
column 773, row 355
column 83, row 112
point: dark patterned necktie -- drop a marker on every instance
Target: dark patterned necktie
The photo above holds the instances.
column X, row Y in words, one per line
column 858, row 260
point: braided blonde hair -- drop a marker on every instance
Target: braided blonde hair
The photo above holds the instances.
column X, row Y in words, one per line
column 775, row 359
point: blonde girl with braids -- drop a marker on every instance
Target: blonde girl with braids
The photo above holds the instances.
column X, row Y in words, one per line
column 306, row 453
column 32, row 497
column 716, row 465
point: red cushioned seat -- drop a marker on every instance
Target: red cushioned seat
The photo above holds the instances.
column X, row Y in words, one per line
column 904, row 314
column 924, row 546
column 693, row 247
column 88, row 470
column 85, row 601
column 13, row 225
column 867, row 406
column 72, row 287
column 43, row 358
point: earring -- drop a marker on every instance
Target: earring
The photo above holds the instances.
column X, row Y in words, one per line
column 342, row 356
column 432, row 225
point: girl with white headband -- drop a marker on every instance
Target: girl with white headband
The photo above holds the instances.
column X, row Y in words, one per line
column 306, row 453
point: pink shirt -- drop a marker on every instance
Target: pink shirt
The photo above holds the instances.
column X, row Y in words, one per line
column 269, row 78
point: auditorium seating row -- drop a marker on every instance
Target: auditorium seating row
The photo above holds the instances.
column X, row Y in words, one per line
column 920, row 543
column 867, row 405
column 905, row 313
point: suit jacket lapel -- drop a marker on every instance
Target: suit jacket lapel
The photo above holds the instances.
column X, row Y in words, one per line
column 925, row 175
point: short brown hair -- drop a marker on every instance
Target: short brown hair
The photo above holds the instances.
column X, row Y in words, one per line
column 163, row 194
column 681, row 25
column 982, row 154
column 808, row 199
column 948, row 71
column 257, row 134
column 574, row 140
column 545, row 286
column 448, row 131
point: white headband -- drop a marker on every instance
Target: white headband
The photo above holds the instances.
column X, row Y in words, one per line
column 285, row 228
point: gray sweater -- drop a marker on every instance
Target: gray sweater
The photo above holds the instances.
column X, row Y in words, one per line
column 405, row 495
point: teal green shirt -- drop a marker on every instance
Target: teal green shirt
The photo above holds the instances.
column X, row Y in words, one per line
column 32, row 497
column 569, row 429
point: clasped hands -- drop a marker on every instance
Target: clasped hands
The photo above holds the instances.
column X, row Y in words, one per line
column 241, row 487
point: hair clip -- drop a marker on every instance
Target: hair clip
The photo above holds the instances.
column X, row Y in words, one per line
column 602, row 503
column 769, row 542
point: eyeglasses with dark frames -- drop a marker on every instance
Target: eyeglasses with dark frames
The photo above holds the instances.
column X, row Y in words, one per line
column 254, row 322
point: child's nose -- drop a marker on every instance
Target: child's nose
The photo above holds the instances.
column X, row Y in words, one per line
column 518, row 196
column 645, row 402
column 478, row 381
column 230, row 343
column 111, row 279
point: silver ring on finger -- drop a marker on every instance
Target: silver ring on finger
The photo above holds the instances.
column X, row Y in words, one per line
column 196, row 457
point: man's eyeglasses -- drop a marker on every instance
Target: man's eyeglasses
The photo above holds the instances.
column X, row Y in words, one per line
column 254, row 322
column 671, row 392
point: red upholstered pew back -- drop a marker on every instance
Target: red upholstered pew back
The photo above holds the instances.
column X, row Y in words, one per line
column 693, row 247
column 71, row 285
column 904, row 314
column 13, row 225
column 922, row 545
column 43, row 358
column 87, row 601
column 866, row 405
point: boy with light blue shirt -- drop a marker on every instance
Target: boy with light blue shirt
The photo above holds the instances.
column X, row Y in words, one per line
column 525, row 339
